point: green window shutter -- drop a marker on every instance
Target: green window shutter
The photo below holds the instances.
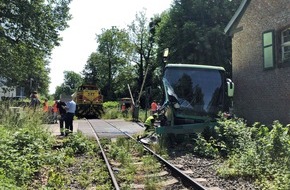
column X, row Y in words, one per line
column 268, row 49
column 285, row 43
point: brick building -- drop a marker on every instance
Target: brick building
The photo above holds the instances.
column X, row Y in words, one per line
column 260, row 31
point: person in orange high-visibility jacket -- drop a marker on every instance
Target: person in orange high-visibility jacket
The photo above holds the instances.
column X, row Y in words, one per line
column 45, row 105
column 153, row 107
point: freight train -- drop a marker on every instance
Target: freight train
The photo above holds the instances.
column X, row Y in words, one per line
column 89, row 101
column 194, row 95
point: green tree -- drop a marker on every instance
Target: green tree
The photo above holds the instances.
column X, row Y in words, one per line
column 125, row 77
column 142, row 34
column 62, row 89
column 35, row 23
column 114, row 48
column 193, row 32
column 29, row 30
column 72, row 79
column 95, row 71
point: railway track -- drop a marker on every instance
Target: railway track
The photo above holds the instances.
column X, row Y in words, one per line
column 176, row 178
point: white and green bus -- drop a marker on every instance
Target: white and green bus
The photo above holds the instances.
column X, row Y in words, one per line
column 194, row 95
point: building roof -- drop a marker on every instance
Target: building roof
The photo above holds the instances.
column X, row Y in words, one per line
column 237, row 16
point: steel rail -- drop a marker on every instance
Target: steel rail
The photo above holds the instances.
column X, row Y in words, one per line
column 187, row 181
column 114, row 180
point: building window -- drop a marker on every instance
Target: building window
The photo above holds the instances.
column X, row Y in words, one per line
column 268, row 49
column 285, row 45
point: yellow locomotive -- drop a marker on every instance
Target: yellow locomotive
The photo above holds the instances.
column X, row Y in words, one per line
column 89, row 101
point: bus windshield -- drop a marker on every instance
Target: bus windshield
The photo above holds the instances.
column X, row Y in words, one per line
column 198, row 91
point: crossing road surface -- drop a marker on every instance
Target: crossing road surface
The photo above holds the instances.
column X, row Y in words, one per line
column 103, row 128
column 113, row 128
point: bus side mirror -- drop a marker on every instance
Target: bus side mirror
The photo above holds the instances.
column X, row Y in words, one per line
column 231, row 88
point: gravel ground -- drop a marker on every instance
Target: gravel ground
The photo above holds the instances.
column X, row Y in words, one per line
column 204, row 171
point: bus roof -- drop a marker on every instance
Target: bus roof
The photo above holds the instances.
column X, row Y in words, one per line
column 195, row 66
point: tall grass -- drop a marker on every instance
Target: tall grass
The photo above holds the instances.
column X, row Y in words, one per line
column 29, row 158
column 24, row 145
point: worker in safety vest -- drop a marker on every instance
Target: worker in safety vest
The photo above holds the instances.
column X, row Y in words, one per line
column 149, row 122
column 149, row 126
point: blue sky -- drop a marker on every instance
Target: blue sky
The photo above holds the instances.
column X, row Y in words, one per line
column 89, row 17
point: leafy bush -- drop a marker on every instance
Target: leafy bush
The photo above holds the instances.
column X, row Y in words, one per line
column 79, row 144
column 205, row 148
column 111, row 104
column 24, row 147
column 29, row 158
column 263, row 154
column 112, row 113
column 231, row 134
column 258, row 152
column 112, row 110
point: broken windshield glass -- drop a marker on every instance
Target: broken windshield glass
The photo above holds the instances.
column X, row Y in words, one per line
column 196, row 90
